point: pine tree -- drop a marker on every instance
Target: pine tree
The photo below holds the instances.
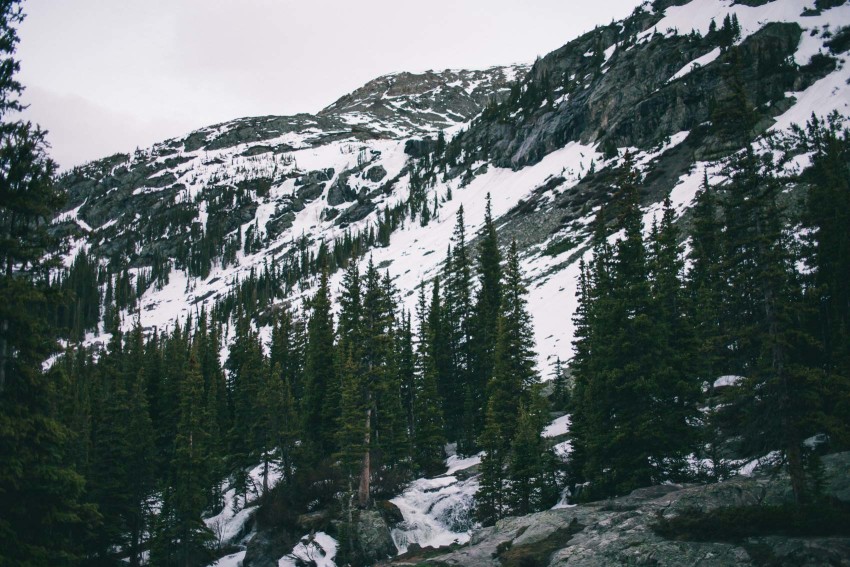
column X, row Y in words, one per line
column 827, row 253
column 509, row 388
column 594, row 347
column 617, row 367
column 42, row 519
column 321, row 390
column 351, row 434
column 180, row 536
column 676, row 394
column 457, row 314
column 513, row 371
column 706, row 289
column 530, row 464
column 405, row 357
column 428, row 434
column 767, row 339
column 485, row 315
column 248, row 368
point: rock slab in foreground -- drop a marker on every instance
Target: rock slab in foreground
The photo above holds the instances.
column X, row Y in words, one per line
column 617, row 531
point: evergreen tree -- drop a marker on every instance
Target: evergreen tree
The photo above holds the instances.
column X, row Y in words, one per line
column 485, row 314
column 42, row 520
column 183, row 538
column 248, row 368
column 513, row 372
column 513, row 377
column 782, row 392
column 352, row 435
column 531, row 464
column 675, row 392
column 827, row 254
column 428, row 434
column 279, row 426
column 706, row 289
column 457, row 314
column 320, row 404
column 627, row 377
column 405, row 358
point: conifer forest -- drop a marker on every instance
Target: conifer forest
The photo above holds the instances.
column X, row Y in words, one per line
column 333, row 373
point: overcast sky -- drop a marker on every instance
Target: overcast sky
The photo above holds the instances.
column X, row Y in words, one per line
column 105, row 76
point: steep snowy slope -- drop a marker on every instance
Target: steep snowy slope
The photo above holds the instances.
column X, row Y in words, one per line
column 541, row 142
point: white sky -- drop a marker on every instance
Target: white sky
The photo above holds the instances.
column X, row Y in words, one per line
column 105, row 76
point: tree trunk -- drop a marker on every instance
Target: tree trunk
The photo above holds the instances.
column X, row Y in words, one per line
column 4, row 328
column 366, row 470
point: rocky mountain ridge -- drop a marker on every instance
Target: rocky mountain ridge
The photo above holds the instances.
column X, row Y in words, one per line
column 197, row 214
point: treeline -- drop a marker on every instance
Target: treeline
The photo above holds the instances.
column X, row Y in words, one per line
column 764, row 302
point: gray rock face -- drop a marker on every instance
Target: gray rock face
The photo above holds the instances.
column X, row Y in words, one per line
column 618, row 531
column 628, row 99
column 310, row 191
column 340, row 192
column 267, row 546
column 375, row 174
column 374, row 542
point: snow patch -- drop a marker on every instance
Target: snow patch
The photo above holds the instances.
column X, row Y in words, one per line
column 318, row 549
column 560, row 426
column 696, row 64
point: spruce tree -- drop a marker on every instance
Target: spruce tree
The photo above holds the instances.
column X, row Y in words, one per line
column 827, row 254
column 320, row 404
column 706, row 290
column 676, row 393
column 513, row 376
column 513, row 371
column 457, row 310
column 42, row 519
column 182, row 537
column 781, row 392
column 485, row 314
column 428, row 434
column 531, row 463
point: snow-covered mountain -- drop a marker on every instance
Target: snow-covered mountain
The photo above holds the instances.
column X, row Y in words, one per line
column 541, row 140
column 190, row 218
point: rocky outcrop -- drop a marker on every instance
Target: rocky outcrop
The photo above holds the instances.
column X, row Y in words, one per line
column 620, row 531
column 373, row 540
column 613, row 87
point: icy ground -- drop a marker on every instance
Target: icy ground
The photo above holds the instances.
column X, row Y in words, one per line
column 318, row 549
column 229, row 525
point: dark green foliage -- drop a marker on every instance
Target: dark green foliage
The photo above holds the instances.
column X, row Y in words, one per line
column 515, row 472
column 428, row 434
column 180, row 536
column 634, row 399
column 513, row 365
column 485, row 319
column 80, row 310
column 42, row 520
column 827, row 253
column 531, row 464
column 764, row 311
column 320, row 404
column 457, row 317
